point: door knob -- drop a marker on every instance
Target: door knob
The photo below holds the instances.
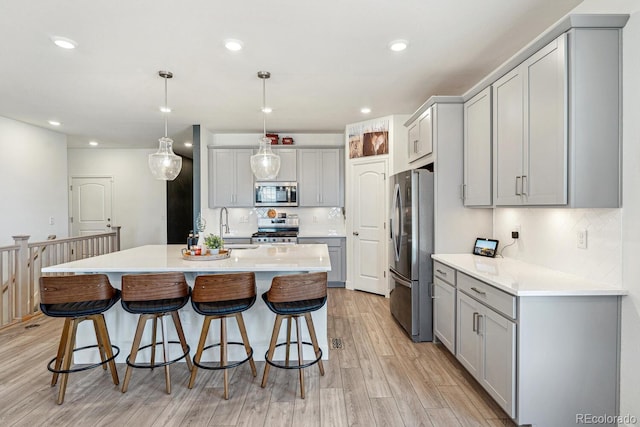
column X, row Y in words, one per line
column 355, row 233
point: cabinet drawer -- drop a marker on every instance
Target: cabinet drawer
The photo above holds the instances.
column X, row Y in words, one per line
column 444, row 272
column 492, row 297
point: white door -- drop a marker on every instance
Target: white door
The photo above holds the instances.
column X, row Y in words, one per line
column 91, row 200
column 368, row 190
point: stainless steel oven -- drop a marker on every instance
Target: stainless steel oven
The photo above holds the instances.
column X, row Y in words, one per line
column 276, row 230
column 269, row 193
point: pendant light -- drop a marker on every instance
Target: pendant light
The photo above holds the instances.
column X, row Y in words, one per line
column 265, row 164
column 164, row 163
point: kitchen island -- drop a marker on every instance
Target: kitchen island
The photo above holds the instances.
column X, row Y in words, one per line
column 266, row 261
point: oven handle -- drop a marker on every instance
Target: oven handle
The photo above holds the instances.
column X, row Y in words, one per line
column 399, row 279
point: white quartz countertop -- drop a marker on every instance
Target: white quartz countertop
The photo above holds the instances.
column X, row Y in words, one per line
column 163, row 258
column 523, row 279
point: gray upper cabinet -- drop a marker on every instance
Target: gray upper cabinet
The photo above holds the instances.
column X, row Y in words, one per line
column 477, row 150
column 230, row 177
column 556, row 124
column 530, row 133
column 321, row 177
column 420, row 137
column 288, row 164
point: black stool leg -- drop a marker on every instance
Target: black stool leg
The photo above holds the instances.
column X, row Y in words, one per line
column 142, row 320
column 245, row 340
column 272, row 349
column 201, row 343
column 60, row 356
column 314, row 339
column 300, row 356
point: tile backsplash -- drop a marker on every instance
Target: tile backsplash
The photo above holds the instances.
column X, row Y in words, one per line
column 548, row 237
column 244, row 221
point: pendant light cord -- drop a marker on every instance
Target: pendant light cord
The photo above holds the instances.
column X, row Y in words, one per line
column 264, row 106
column 166, row 114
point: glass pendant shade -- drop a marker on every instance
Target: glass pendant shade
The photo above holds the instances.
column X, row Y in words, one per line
column 164, row 163
column 265, row 164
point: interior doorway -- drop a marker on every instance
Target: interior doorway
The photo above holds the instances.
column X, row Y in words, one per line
column 91, row 205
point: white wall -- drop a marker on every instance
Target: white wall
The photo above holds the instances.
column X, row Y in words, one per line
column 630, row 356
column 33, row 182
column 139, row 201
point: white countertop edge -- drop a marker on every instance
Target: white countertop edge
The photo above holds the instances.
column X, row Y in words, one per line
column 568, row 284
column 55, row 269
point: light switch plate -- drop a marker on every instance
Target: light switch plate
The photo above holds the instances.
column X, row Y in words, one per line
column 581, row 239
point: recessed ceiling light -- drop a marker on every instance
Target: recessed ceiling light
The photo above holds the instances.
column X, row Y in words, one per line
column 365, row 110
column 93, row 143
column 233, row 45
column 267, row 110
column 54, row 123
column 188, row 144
column 165, row 109
column 64, row 42
column 398, row 45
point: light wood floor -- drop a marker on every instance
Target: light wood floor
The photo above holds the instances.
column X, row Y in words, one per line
column 378, row 377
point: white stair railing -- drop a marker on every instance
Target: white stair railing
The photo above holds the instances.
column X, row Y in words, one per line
column 21, row 265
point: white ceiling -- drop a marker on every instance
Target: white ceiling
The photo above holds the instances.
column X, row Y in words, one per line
column 327, row 59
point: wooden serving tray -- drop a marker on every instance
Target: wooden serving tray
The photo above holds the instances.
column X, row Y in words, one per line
column 222, row 255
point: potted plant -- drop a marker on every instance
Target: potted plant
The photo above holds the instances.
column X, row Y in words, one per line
column 214, row 243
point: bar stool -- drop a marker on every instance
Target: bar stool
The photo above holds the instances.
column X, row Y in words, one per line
column 152, row 297
column 79, row 298
column 221, row 296
column 291, row 297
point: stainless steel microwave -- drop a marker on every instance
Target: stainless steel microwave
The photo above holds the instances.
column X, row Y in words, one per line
column 270, row 193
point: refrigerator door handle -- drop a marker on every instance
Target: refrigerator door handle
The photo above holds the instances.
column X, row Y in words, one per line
column 399, row 279
column 397, row 214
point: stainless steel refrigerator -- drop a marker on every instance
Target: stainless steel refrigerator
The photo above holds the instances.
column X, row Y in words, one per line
column 411, row 267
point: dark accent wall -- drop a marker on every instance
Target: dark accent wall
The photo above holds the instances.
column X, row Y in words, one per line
column 180, row 204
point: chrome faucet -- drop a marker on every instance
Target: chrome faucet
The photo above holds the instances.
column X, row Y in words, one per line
column 226, row 223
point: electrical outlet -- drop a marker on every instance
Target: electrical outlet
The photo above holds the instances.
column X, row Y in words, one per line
column 581, row 238
column 52, row 220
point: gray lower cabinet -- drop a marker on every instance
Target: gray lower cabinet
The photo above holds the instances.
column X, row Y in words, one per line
column 337, row 254
column 444, row 305
column 543, row 359
column 487, row 349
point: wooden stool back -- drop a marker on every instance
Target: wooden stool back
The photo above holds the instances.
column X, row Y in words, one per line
column 157, row 286
column 297, row 287
column 80, row 288
column 224, row 287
